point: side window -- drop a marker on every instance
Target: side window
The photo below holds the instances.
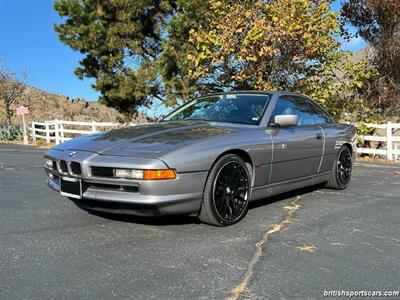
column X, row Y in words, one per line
column 320, row 116
column 288, row 105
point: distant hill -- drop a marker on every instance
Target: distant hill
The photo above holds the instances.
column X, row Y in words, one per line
column 48, row 106
column 364, row 53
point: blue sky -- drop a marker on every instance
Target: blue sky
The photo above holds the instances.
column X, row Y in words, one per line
column 28, row 41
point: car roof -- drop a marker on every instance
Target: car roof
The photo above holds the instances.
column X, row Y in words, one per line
column 271, row 93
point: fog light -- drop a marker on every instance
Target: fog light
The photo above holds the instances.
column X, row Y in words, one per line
column 49, row 163
column 128, row 173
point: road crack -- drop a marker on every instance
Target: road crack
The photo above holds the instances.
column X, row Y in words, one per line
column 242, row 287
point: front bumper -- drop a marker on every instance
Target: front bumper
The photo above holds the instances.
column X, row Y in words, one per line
column 138, row 197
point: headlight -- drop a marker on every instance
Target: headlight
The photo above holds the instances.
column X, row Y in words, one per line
column 128, row 173
column 49, row 163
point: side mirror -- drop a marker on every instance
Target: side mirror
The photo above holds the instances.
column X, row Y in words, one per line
column 286, row 120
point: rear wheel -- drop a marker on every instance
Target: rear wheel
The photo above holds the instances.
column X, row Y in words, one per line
column 341, row 170
column 226, row 193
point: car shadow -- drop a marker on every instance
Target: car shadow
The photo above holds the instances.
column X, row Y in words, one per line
column 150, row 220
column 192, row 219
column 284, row 196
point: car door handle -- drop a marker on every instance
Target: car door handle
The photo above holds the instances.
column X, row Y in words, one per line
column 318, row 136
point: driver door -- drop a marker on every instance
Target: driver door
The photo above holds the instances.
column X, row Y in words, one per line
column 297, row 150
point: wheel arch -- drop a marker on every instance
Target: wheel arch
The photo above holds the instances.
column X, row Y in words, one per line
column 239, row 152
column 348, row 145
column 243, row 155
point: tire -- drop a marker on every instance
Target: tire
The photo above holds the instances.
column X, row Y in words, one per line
column 226, row 192
column 340, row 175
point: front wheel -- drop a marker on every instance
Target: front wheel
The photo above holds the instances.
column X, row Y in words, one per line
column 226, row 193
column 340, row 175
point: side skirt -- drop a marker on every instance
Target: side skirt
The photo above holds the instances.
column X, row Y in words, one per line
column 262, row 192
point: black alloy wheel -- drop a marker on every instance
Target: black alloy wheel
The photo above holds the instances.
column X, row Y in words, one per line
column 231, row 190
column 344, row 167
column 340, row 175
column 227, row 192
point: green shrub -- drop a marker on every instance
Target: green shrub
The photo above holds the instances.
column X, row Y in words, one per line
column 11, row 133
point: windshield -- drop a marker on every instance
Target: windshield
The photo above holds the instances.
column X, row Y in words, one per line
column 231, row 108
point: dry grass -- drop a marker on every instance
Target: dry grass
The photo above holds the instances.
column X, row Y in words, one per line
column 32, row 144
column 375, row 160
column 307, row 248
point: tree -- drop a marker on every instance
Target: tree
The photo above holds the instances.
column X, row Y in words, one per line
column 266, row 44
column 278, row 44
column 132, row 48
column 12, row 87
column 121, row 41
column 146, row 52
column 174, row 62
column 378, row 23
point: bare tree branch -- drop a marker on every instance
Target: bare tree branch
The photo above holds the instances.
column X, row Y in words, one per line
column 12, row 87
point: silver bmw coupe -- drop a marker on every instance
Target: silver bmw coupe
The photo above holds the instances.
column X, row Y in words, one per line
column 210, row 157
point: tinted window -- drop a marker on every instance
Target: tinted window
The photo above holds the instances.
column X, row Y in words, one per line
column 320, row 117
column 232, row 108
column 288, row 105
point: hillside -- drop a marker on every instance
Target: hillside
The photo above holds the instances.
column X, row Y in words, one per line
column 49, row 106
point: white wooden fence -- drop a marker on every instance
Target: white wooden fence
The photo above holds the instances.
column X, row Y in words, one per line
column 59, row 131
column 392, row 141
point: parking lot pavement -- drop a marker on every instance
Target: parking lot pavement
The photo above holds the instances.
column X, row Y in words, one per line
column 292, row 246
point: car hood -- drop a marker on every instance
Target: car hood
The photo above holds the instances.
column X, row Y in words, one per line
column 150, row 140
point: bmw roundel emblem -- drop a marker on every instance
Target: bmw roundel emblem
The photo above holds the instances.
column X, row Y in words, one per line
column 73, row 153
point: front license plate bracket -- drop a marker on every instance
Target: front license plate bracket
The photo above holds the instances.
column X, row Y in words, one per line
column 71, row 187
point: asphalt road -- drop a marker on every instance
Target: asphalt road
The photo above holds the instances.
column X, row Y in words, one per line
column 308, row 241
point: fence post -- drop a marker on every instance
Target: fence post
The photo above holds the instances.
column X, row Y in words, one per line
column 61, row 131
column 33, row 132
column 56, row 132
column 46, row 124
column 389, row 139
column 93, row 126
